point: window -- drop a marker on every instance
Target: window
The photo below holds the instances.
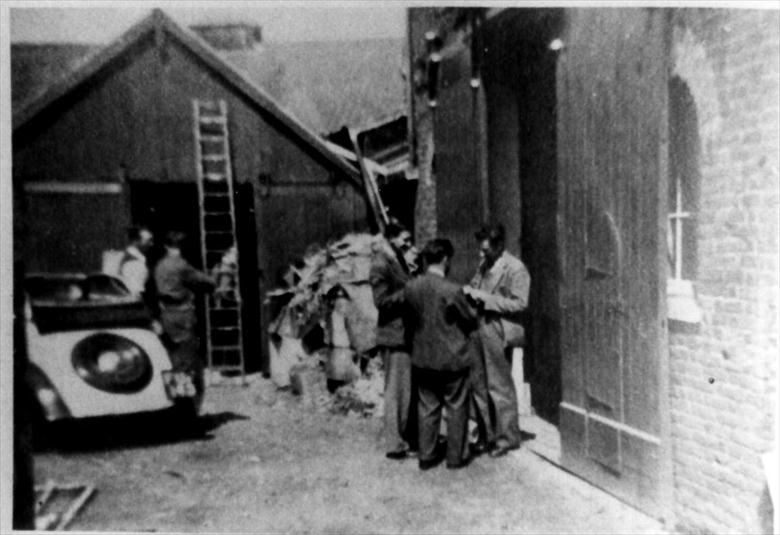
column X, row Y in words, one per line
column 684, row 149
column 683, row 203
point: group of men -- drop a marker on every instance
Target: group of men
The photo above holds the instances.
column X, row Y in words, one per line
column 169, row 293
column 448, row 348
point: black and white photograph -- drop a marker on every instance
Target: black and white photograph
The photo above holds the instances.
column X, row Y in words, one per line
column 389, row 267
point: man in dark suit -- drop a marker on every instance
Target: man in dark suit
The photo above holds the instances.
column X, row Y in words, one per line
column 389, row 273
column 440, row 320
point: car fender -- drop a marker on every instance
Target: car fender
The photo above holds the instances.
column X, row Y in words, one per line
column 52, row 354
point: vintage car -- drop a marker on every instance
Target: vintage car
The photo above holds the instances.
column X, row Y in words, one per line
column 93, row 352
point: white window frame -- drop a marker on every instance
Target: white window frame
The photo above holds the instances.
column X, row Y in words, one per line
column 680, row 296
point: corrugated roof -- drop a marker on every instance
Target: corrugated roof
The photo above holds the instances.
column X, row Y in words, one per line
column 346, row 83
column 326, row 85
column 34, row 67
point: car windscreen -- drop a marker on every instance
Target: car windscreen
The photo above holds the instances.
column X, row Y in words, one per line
column 68, row 302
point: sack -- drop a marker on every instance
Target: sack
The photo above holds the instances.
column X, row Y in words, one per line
column 341, row 365
column 285, row 352
column 514, row 333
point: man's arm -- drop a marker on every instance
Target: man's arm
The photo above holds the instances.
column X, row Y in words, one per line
column 197, row 280
column 463, row 313
column 512, row 294
column 388, row 300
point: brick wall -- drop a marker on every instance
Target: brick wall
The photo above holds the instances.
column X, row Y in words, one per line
column 724, row 370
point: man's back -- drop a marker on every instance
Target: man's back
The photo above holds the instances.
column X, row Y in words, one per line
column 441, row 319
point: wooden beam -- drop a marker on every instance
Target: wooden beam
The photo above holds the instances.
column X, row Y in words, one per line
column 372, row 192
column 77, row 188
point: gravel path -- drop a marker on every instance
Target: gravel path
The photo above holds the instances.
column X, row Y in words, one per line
column 266, row 464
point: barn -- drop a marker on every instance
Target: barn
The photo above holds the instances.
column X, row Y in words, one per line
column 633, row 156
column 117, row 143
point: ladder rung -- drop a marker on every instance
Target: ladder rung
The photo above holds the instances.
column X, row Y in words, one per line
column 225, row 328
column 214, row 157
column 211, row 138
column 210, row 105
column 212, row 119
column 215, row 177
column 212, row 232
column 225, row 348
column 223, row 309
column 217, row 212
column 219, row 195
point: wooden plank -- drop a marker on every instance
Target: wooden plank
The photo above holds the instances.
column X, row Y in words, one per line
column 74, row 188
column 611, row 83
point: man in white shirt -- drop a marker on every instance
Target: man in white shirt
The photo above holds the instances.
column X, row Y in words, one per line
column 133, row 269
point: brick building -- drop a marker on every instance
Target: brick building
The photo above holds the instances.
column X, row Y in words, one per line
column 633, row 156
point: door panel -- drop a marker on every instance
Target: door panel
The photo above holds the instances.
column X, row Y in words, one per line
column 611, row 90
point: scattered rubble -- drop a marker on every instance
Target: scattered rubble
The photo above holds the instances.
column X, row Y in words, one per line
column 325, row 327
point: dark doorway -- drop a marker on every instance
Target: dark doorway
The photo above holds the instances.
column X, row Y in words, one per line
column 249, row 275
column 166, row 206
column 520, row 91
column 539, row 249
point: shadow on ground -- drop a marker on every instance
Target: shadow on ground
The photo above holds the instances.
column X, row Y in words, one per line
column 131, row 431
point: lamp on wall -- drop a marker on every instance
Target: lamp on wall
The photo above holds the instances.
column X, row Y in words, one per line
column 477, row 49
column 433, row 44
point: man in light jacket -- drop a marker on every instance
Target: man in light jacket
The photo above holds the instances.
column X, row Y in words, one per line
column 500, row 291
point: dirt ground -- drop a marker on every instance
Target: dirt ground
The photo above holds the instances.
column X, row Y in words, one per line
column 265, row 463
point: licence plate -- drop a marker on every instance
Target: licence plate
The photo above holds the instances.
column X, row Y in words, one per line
column 178, row 384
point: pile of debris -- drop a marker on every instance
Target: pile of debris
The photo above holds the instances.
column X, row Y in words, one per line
column 325, row 328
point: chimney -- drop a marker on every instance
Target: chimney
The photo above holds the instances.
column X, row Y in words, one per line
column 237, row 36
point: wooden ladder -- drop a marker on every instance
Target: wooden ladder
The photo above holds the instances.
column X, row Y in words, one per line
column 224, row 333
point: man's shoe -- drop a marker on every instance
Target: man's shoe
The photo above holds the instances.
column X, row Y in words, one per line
column 397, row 455
column 480, row 448
column 427, row 465
column 502, row 449
column 464, row 463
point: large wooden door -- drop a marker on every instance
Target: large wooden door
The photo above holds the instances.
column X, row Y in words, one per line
column 460, row 193
column 611, row 92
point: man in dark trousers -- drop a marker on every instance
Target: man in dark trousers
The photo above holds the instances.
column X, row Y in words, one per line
column 177, row 284
column 389, row 273
column 440, row 319
column 500, row 291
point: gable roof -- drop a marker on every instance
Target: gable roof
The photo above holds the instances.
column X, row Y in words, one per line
column 158, row 22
